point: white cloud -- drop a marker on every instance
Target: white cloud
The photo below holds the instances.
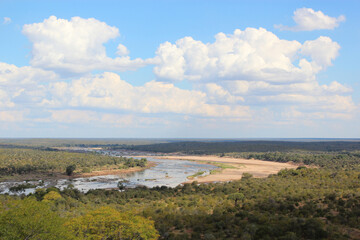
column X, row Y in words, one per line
column 308, row 97
column 251, row 55
column 260, row 88
column 308, row 20
column 5, row 99
column 11, row 116
column 75, row 46
column 217, row 94
column 102, row 119
column 16, row 76
column 73, row 116
column 336, row 87
column 110, row 92
column 6, row 20
column 234, row 78
column 23, row 85
column 122, row 50
column 322, row 51
column 255, row 68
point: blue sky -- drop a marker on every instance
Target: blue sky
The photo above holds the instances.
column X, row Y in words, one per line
column 196, row 69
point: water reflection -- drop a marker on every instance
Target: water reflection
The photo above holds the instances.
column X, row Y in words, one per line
column 168, row 173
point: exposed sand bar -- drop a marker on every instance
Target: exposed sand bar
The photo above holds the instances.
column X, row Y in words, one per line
column 234, row 167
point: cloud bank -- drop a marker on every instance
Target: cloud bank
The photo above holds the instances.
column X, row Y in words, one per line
column 247, row 76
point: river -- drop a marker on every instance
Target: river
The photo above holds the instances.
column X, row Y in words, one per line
column 168, row 173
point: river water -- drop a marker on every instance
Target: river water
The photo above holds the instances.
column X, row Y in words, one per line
column 168, row 173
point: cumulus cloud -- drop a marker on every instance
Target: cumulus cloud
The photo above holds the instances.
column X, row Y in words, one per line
column 255, row 68
column 23, row 85
column 122, row 50
column 110, row 92
column 217, row 94
column 6, row 20
column 308, row 20
column 322, row 51
column 234, row 78
column 76, row 46
column 13, row 75
column 251, row 55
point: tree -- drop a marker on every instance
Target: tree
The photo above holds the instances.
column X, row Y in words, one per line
column 30, row 219
column 52, row 196
column 108, row 223
column 236, row 197
column 70, row 170
column 121, row 186
column 245, row 176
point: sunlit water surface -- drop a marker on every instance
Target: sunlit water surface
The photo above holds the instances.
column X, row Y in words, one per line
column 168, row 173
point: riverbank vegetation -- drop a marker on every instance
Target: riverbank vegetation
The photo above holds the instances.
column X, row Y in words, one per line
column 321, row 202
column 333, row 160
column 306, row 203
column 22, row 162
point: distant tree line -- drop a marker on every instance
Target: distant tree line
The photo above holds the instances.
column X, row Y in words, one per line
column 196, row 147
column 331, row 160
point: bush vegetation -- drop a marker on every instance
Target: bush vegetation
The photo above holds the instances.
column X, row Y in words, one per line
column 320, row 202
column 26, row 161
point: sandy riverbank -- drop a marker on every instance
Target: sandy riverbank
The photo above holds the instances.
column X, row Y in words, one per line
column 233, row 168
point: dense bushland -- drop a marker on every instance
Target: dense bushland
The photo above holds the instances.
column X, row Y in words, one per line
column 302, row 203
column 217, row 147
column 330, row 160
column 24, row 161
column 306, row 203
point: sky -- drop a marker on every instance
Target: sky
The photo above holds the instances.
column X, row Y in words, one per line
column 179, row 69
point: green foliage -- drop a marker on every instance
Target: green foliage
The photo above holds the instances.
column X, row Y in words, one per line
column 221, row 147
column 121, row 186
column 107, row 223
column 330, row 160
column 21, row 187
column 294, row 204
column 302, row 203
column 236, row 197
column 199, row 173
column 51, row 196
column 70, row 170
column 245, row 176
column 29, row 219
column 26, row 161
column 44, row 143
column 222, row 165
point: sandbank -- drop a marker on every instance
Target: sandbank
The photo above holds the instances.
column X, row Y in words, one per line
column 233, row 168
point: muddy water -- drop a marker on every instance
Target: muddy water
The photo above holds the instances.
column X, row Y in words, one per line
column 168, row 173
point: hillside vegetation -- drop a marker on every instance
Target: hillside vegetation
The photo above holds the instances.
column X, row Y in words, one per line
column 320, row 202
